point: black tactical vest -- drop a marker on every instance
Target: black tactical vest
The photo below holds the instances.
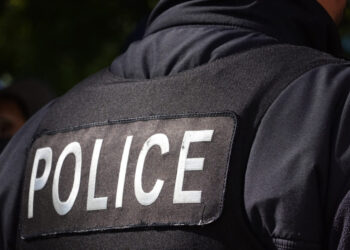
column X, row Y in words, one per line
column 154, row 164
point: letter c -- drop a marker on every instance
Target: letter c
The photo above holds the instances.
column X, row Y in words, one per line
column 148, row 198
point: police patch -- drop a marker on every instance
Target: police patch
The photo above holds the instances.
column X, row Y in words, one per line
column 155, row 171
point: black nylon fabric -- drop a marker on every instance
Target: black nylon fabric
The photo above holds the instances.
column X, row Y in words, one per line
column 246, row 84
column 182, row 35
column 150, row 97
column 290, row 21
column 299, row 163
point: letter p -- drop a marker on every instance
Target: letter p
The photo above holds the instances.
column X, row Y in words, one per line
column 37, row 183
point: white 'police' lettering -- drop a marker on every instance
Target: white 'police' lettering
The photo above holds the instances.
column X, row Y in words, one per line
column 128, row 174
column 144, row 198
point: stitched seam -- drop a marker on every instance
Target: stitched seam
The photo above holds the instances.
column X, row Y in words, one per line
column 136, row 119
column 225, row 25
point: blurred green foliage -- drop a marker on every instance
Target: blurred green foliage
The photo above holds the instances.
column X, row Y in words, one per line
column 64, row 41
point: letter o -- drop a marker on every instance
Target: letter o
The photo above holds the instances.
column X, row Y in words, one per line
column 63, row 207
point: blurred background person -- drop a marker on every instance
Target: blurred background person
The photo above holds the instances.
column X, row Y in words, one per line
column 18, row 103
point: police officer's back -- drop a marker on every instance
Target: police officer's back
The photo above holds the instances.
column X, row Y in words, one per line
column 224, row 127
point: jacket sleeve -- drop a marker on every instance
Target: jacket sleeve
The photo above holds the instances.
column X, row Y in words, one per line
column 299, row 166
column 12, row 165
column 340, row 178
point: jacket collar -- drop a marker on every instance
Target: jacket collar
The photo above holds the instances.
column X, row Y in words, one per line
column 298, row 22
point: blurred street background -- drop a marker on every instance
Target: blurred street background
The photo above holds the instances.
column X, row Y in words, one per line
column 60, row 42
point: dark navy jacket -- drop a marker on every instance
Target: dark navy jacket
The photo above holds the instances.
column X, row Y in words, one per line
column 297, row 178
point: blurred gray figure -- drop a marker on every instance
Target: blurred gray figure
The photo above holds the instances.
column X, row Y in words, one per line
column 18, row 103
